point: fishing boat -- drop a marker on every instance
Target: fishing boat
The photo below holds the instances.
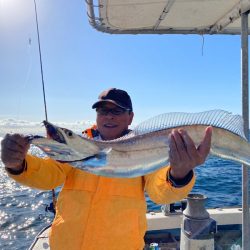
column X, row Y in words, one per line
column 184, row 17
column 225, row 17
column 164, row 228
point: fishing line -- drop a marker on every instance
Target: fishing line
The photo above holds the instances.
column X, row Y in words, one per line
column 27, row 77
column 44, row 96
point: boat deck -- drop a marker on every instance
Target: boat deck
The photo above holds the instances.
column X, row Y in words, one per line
column 165, row 230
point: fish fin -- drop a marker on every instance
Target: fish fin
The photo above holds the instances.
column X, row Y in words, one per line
column 94, row 161
column 105, row 151
column 100, row 156
column 216, row 118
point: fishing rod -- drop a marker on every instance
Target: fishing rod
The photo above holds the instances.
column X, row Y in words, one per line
column 41, row 63
column 44, row 96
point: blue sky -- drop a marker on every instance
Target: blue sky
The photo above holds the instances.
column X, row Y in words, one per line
column 162, row 73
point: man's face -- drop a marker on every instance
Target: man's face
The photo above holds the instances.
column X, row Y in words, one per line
column 112, row 126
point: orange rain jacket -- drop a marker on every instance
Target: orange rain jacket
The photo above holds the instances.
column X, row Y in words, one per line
column 95, row 212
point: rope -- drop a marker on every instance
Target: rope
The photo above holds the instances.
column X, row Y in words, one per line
column 202, row 46
column 43, row 86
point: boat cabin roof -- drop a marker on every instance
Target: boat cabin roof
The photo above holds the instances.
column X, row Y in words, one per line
column 167, row 17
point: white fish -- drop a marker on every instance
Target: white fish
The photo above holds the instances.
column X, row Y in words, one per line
column 145, row 149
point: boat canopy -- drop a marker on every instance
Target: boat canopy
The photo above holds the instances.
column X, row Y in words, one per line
column 167, row 16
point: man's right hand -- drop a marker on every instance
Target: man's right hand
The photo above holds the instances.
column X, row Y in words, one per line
column 14, row 148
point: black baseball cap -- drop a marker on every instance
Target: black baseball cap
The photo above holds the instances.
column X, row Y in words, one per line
column 116, row 96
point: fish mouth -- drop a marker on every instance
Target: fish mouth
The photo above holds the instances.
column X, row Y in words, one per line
column 54, row 132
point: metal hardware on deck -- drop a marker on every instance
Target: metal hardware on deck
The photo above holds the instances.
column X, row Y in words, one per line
column 197, row 229
column 174, row 208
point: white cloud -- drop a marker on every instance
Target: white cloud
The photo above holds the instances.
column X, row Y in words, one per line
column 29, row 127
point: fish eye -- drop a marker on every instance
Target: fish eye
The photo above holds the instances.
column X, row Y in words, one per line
column 69, row 132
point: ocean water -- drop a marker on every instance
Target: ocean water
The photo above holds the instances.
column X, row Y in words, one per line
column 23, row 210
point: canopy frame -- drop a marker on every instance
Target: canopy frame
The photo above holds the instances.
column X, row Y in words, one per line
column 220, row 26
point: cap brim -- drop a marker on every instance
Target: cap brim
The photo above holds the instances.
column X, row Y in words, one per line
column 95, row 105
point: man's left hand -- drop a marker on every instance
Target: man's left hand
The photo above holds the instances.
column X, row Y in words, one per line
column 184, row 155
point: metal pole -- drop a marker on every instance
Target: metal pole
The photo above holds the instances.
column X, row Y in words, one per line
column 245, row 114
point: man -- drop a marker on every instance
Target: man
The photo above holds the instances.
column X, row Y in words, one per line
column 95, row 212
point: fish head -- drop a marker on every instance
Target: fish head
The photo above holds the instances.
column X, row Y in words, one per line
column 59, row 134
column 75, row 146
